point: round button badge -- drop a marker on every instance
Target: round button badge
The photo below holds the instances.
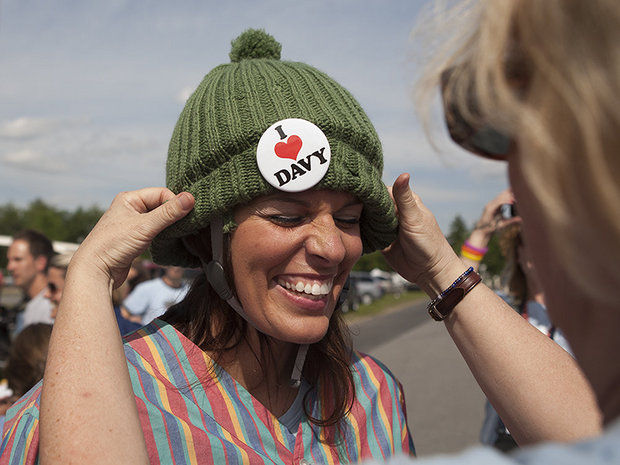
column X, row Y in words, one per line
column 293, row 155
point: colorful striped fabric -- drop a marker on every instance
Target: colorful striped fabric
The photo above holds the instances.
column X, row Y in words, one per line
column 193, row 415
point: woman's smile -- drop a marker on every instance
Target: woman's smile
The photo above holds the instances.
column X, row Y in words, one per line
column 308, row 293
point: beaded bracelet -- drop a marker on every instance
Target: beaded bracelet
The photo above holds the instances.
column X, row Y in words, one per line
column 455, row 283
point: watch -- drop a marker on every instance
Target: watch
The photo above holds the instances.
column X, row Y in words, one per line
column 444, row 303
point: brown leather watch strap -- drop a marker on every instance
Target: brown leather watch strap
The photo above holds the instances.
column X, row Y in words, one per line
column 441, row 307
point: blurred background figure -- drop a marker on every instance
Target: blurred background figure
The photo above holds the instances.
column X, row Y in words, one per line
column 56, row 274
column 496, row 215
column 523, row 288
column 135, row 276
column 28, row 257
column 26, row 363
column 152, row 298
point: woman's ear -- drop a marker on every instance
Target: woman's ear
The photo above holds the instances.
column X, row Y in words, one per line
column 199, row 244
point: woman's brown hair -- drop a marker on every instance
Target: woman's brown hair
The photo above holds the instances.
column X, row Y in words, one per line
column 27, row 358
column 514, row 275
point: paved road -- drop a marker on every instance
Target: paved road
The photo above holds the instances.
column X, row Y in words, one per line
column 444, row 403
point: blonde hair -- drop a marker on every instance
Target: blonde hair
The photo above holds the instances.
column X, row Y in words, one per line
column 566, row 119
column 61, row 261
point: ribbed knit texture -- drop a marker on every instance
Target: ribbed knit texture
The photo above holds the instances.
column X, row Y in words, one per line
column 212, row 153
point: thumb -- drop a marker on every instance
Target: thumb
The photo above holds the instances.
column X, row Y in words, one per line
column 170, row 211
column 405, row 199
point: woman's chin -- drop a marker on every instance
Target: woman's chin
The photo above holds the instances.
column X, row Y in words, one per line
column 308, row 334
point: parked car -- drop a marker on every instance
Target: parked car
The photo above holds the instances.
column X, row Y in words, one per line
column 352, row 300
column 385, row 283
column 367, row 288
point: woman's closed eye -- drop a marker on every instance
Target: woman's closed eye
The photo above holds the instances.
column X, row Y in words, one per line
column 286, row 220
column 294, row 220
column 348, row 220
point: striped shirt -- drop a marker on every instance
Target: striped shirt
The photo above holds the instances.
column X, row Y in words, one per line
column 192, row 414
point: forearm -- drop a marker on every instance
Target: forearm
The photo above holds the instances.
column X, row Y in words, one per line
column 536, row 387
column 88, row 411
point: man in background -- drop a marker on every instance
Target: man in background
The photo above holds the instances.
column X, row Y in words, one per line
column 28, row 257
column 151, row 299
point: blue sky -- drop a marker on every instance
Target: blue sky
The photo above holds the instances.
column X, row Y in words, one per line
column 90, row 90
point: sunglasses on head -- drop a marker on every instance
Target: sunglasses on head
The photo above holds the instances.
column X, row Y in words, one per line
column 483, row 140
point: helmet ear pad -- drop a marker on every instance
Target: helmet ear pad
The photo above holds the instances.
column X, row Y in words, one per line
column 219, row 273
column 217, row 278
column 199, row 244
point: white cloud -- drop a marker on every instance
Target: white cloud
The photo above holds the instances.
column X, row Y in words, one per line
column 443, row 195
column 80, row 159
column 21, row 156
column 185, row 93
column 25, row 127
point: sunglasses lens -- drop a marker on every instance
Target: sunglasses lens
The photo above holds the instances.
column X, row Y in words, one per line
column 484, row 141
column 492, row 143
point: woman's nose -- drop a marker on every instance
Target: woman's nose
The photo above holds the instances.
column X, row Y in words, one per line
column 325, row 241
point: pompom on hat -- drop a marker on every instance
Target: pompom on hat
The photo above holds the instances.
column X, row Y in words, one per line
column 212, row 153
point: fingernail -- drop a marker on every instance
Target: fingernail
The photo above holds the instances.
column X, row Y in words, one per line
column 186, row 200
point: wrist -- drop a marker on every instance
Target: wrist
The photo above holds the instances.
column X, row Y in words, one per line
column 86, row 270
column 441, row 276
column 479, row 238
column 442, row 306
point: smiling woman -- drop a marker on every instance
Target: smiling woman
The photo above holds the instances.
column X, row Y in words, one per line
column 277, row 172
column 292, row 255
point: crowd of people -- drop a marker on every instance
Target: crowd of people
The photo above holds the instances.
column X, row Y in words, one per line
column 274, row 190
column 39, row 273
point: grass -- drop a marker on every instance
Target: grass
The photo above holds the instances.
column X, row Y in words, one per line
column 384, row 303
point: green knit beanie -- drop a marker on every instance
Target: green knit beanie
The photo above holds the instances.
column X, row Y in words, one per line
column 212, row 153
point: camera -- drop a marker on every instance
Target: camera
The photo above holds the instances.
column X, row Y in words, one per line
column 508, row 210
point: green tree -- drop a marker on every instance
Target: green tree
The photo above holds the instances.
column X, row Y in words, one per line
column 11, row 220
column 45, row 218
column 458, row 233
column 494, row 259
column 57, row 224
column 371, row 261
column 80, row 222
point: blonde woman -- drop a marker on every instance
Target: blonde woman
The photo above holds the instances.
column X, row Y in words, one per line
column 537, row 84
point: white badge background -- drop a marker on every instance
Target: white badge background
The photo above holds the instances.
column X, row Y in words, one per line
column 312, row 139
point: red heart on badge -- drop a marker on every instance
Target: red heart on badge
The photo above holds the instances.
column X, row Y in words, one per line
column 289, row 149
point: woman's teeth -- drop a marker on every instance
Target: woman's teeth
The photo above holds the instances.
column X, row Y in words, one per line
column 314, row 289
